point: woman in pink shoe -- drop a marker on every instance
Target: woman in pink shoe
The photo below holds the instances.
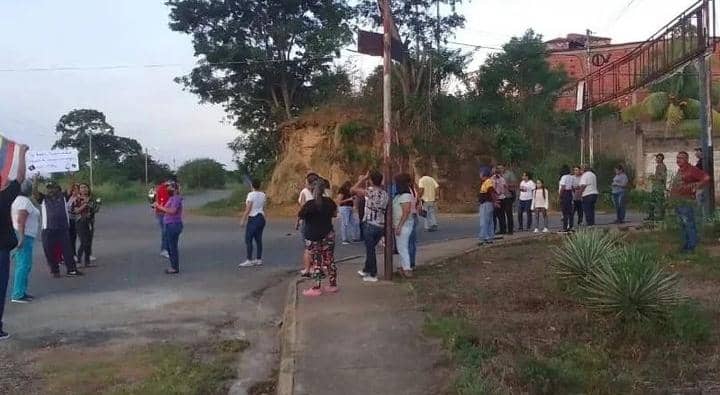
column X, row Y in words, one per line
column 317, row 215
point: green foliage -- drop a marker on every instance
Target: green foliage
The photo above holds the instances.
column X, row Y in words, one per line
column 689, row 323
column 202, row 173
column 656, row 104
column 228, row 207
column 581, row 254
column 512, row 145
column 113, row 192
column 256, row 152
column 356, row 132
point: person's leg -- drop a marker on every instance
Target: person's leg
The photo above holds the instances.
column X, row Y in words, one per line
column 49, row 242
column 345, row 223
column 545, row 218
column 173, row 237
column 23, row 265
column 4, row 279
column 683, row 221
column 591, row 202
column 577, row 209
column 67, row 252
column 509, row 219
column 328, row 259
column 259, row 236
column 163, row 243
column 621, row 203
column 587, row 210
column 402, row 241
column 500, row 216
column 566, row 209
column 372, row 237
column 412, row 242
column 537, row 218
column 616, row 204
column 521, row 211
column 250, row 230
column 83, row 231
column 488, row 218
column 434, row 211
column 73, row 236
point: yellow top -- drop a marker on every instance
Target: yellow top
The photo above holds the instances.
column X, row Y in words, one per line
column 430, row 187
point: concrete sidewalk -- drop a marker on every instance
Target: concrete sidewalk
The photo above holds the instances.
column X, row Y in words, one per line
column 368, row 338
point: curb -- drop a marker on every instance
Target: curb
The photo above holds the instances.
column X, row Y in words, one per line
column 288, row 339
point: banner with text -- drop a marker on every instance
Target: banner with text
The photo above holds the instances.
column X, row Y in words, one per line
column 55, row 161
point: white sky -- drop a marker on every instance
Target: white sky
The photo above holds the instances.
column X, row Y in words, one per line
column 145, row 103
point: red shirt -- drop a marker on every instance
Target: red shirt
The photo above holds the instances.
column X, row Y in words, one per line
column 161, row 196
column 687, row 175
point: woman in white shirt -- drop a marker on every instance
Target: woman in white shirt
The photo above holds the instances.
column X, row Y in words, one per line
column 527, row 187
column 26, row 222
column 254, row 217
column 403, row 221
column 566, row 193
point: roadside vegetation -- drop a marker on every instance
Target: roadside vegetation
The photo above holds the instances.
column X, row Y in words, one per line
column 231, row 206
column 597, row 312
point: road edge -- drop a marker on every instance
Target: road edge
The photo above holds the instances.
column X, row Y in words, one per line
column 288, row 338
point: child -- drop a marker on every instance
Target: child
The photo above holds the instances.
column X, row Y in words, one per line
column 540, row 205
column 527, row 187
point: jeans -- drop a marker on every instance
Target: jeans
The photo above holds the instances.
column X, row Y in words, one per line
column 566, row 203
column 686, row 215
column 348, row 224
column 402, row 242
column 431, row 218
column 58, row 239
column 254, row 231
column 73, row 234
column 577, row 209
column 588, row 203
column 23, row 265
column 487, row 227
column 172, row 232
column 619, row 203
column 4, row 278
column 373, row 234
column 85, row 233
column 524, row 209
column 412, row 243
column 163, row 236
column 505, row 216
column 701, row 198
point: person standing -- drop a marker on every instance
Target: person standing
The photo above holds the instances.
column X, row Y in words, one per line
column 540, row 205
column 26, row 222
column 9, row 191
column 690, row 180
column 172, row 219
column 55, row 235
column 318, row 214
column 348, row 224
column 415, row 207
column 577, row 195
column 659, row 185
column 700, row 194
column 376, row 204
column 488, row 202
column 527, row 187
column 566, row 191
column 84, row 208
column 254, row 217
column 429, row 191
column 403, row 221
column 71, row 196
column 588, row 186
column 161, row 198
column 305, row 196
column 619, row 191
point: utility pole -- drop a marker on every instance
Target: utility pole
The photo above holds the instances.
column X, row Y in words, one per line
column 92, row 186
column 146, row 167
column 387, row 133
column 589, row 112
column 705, row 77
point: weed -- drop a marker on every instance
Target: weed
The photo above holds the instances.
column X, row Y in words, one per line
column 689, row 324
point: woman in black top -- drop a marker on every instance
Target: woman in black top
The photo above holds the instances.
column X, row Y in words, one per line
column 348, row 223
column 317, row 215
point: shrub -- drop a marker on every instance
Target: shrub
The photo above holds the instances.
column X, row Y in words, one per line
column 631, row 286
column 582, row 252
column 202, row 173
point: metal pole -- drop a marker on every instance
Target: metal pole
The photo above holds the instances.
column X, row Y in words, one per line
column 92, row 186
column 387, row 134
column 146, row 167
column 706, row 131
column 589, row 111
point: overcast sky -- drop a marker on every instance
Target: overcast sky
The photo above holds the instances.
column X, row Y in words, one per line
column 145, row 104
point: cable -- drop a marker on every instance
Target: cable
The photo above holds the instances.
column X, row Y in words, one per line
column 619, row 15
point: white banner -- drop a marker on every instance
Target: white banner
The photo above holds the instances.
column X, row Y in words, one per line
column 55, row 161
column 580, row 98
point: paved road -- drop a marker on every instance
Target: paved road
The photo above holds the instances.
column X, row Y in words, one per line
column 128, row 296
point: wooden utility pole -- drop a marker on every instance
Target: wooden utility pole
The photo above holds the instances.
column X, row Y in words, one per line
column 387, row 132
column 705, row 77
column 589, row 112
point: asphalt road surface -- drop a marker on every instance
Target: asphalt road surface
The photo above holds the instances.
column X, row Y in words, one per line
column 128, row 296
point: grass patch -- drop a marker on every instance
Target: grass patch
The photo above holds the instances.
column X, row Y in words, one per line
column 146, row 370
column 228, row 207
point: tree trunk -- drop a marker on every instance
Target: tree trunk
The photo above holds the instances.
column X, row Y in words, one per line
column 286, row 96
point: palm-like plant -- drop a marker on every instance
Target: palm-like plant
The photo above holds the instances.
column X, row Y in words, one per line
column 582, row 252
column 631, row 286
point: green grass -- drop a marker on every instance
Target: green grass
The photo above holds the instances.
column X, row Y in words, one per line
column 228, row 207
column 156, row 369
column 111, row 192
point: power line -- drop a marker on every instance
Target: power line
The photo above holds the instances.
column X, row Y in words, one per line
column 620, row 15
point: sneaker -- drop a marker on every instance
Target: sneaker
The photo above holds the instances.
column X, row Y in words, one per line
column 345, row 243
column 545, row 230
column 21, row 300
column 29, row 297
column 165, row 254
column 312, row 292
column 92, row 258
column 331, row 289
column 362, row 273
column 258, row 262
column 247, row 263
column 4, row 335
column 536, row 230
column 370, row 279
column 75, row 273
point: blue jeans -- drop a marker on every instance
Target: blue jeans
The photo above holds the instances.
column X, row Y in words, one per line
column 619, row 203
column 23, row 264
column 373, row 234
column 524, row 209
column 686, row 215
column 4, row 278
column 348, row 225
column 431, row 218
column 172, row 232
column 487, row 226
column 412, row 243
column 163, row 236
column 588, row 204
column 402, row 242
column 254, row 231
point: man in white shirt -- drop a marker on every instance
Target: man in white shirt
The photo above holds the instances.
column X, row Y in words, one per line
column 588, row 186
column 429, row 193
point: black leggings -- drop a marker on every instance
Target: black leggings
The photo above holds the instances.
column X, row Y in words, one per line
column 85, row 233
column 578, row 209
column 566, row 201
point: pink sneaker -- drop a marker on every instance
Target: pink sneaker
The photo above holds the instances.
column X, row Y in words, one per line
column 331, row 289
column 312, row 292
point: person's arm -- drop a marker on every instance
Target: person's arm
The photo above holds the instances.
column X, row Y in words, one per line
column 168, row 209
column 246, row 213
column 704, row 179
column 359, row 189
column 22, row 168
column 405, row 215
column 22, row 221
